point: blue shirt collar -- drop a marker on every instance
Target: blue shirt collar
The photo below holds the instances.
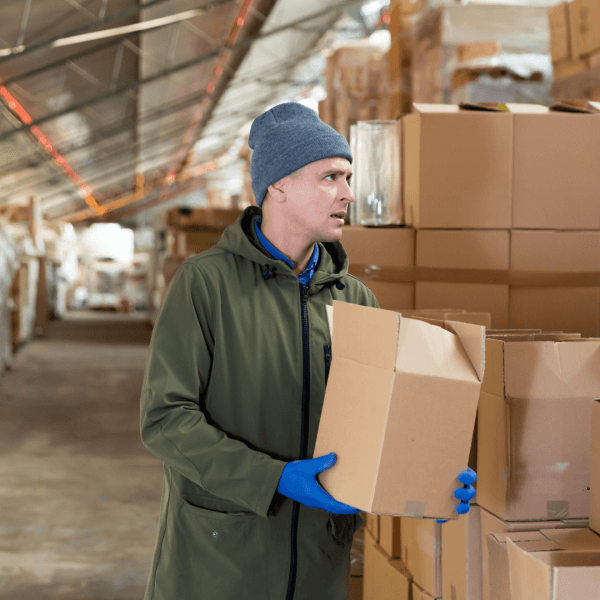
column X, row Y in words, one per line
column 304, row 277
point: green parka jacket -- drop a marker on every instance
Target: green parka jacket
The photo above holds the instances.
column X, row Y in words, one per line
column 233, row 390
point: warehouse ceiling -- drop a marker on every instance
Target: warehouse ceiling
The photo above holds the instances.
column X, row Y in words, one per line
column 106, row 104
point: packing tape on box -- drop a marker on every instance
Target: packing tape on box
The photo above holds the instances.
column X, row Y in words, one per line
column 557, row 509
column 414, row 509
column 512, row 277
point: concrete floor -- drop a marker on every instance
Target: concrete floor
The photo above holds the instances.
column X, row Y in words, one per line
column 79, row 493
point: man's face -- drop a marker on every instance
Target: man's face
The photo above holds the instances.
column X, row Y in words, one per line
column 320, row 191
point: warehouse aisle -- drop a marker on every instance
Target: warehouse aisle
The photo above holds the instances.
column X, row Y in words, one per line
column 79, row 493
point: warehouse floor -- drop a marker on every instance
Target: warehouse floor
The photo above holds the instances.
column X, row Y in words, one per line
column 79, row 493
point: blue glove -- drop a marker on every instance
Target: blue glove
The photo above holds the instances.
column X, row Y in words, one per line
column 298, row 481
column 465, row 494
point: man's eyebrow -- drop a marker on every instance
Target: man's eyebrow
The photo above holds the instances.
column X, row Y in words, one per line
column 337, row 172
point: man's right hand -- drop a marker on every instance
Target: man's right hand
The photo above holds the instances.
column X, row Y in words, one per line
column 298, row 482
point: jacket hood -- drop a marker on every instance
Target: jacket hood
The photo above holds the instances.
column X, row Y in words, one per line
column 240, row 238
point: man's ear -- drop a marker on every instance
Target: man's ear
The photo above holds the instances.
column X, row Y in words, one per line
column 277, row 191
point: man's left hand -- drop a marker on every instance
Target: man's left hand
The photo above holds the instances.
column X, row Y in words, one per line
column 465, row 494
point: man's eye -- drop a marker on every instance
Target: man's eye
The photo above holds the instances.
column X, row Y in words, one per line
column 332, row 175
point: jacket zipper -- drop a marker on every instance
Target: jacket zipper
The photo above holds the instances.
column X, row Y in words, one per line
column 304, row 436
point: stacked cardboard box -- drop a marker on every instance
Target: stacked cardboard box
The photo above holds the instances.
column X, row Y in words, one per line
column 401, row 54
column 440, row 32
column 506, row 213
column 553, row 564
column 357, row 79
column 533, row 455
column 391, row 251
column 575, row 49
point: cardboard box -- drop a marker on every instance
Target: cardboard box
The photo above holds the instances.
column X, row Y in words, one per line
column 575, row 26
column 587, row 25
column 385, row 578
column 356, row 588
column 565, row 308
column 452, row 250
column 421, row 553
column 568, row 67
column 457, row 167
column 555, row 157
column 595, row 468
column 461, row 557
column 477, row 318
column 419, row 593
column 399, row 410
column 560, row 565
column 560, row 38
column 494, row 559
column 391, row 249
column 390, row 535
column 372, row 525
column 533, row 394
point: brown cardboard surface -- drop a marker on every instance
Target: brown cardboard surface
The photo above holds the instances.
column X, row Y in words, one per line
column 399, row 410
column 372, row 525
column 356, row 588
column 464, row 249
column 461, row 557
column 385, row 578
column 575, row 26
column 556, row 574
column 476, row 318
column 391, row 296
column 419, row 593
column 595, row 468
column 421, row 553
column 565, row 251
column 495, row 574
column 381, row 247
column 457, row 167
column 390, row 535
column 478, row 249
column 569, row 309
column 474, row 297
column 556, row 157
column 589, row 26
column 560, row 42
column 533, row 394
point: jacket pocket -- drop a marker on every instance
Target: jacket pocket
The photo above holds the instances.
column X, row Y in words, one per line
column 207, row 508
column 327, row 362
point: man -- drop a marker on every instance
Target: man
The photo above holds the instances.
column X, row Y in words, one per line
column 235, row 380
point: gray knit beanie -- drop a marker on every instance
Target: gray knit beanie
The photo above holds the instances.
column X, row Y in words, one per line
column 286, row 138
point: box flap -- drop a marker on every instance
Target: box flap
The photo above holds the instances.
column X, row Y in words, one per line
column 539, row 546
column 520, row 536
column 435, row 108
column 365, row 335
column 527, row 108
column 576, row 106
column 427, row 349
column 472, row 338
column 487, row 106
column 574, row 540
column 493, row 379
column 552, row 369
